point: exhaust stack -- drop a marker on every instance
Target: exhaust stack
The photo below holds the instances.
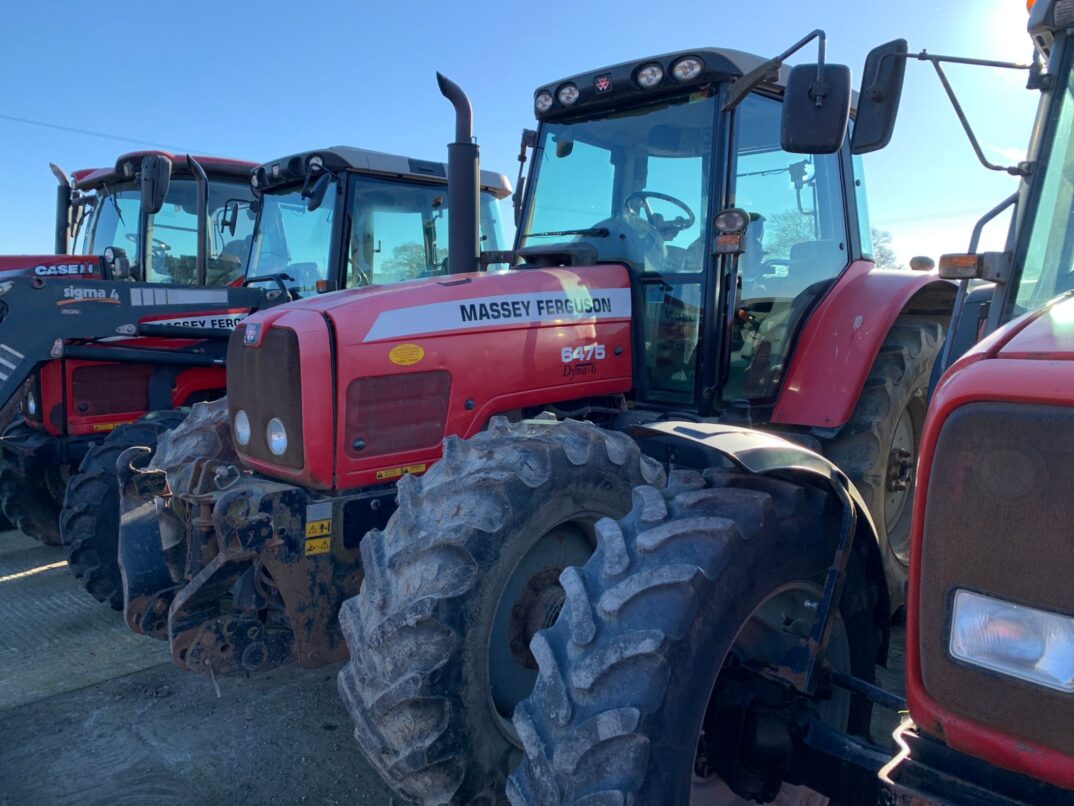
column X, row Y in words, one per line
column 463, row 184
column 62, row 243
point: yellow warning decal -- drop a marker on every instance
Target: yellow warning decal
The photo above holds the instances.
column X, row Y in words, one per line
column 319, row 545
column 406, row 354
column 318, row 528
column 98, row 427
column 399, row 472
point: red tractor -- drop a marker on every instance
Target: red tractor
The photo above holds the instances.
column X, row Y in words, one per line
column 695, row 283
column 330, row 218
column 673, row 672
column 146, row 204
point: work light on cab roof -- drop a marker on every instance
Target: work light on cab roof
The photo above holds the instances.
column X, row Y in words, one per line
column 649, row 75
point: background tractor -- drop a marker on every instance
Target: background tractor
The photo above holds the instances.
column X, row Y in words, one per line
column 672, row 673
column 331, row 218
column 677, row 258
column 148, row 205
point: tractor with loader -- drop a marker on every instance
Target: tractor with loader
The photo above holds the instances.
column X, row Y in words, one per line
column 693, row 277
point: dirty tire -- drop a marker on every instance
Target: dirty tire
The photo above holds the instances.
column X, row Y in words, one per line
column 896, row 385
column 417, row 684
column 626, row 670
column 30, row 505
column 89, row 520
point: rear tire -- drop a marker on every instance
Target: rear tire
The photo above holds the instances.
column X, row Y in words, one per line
column 626, row 671
column 31, row 505
column 439, row 633
column 877, row 448
column 89, row 520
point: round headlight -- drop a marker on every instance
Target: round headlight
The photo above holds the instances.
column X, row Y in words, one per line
column 733, row 220
column 242, row 428
column 253, row 180
column 128, row 169
column 31, row 405
column 650, row 75
column 316, row 161
column 109, row 254
column 543, row 101
column 276, row 436
column 567, row 94
column 687, row 68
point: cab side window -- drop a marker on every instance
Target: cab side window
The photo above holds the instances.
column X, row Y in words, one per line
column 796, row 245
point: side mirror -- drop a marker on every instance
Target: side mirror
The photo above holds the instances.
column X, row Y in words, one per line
column 154, row 177
column 816, row 109
column 116, row 265
column 314, row 196
column 878, row 101
column 229, row 217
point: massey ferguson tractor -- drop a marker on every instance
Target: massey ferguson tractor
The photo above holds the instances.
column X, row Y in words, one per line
column 329, row 219
column 692, row 276
column 146, row 205
column 706, row 651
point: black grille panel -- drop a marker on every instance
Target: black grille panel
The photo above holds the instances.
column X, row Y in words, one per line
column 395, row 413
column 998, row 521
column 265, row 382
column 110, row 389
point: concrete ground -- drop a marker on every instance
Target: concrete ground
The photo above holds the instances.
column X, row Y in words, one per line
column 92, row 714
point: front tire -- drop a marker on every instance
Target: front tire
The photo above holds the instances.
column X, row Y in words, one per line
column 89, row 520
column 463, row 575
column 678, row 598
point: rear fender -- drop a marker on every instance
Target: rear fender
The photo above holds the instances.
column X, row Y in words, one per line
column 842, row 338
column 767, row 454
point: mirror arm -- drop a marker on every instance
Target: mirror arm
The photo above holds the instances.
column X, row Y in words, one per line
column 203, row 221
column 744, row 84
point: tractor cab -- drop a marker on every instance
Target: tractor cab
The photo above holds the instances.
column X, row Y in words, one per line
column 631, row 165
column 346, row 217
column 141, row 217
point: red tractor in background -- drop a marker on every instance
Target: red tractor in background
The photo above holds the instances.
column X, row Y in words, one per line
column 329, row 218
column 678, row 258
column 147, row 204
column 670, row 676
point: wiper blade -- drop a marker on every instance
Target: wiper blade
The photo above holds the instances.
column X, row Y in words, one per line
column 595, row 232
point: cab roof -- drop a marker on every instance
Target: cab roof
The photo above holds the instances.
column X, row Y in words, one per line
column 292, row 168
column 215, row 168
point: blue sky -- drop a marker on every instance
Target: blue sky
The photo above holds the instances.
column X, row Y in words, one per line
column 260, row 80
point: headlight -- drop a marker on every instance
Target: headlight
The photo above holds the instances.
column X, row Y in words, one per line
column 1023, row 642
column 567, row 94
column 276, row 436
column 316, row 162
column 31, row 404
column 650, row 75
column 543, row 101
column 687, row 68
column 242, row 428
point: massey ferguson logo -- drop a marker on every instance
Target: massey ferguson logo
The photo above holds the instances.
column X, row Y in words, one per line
column 253, row 334
column 602, row 84
column 64, row 269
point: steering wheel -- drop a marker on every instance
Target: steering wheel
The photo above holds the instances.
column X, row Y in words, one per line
column 159, row 246
column 639, row 200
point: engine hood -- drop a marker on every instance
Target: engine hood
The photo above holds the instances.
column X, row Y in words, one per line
column 1047, row 335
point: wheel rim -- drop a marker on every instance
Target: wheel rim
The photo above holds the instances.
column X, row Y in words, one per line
column 531, row 600
column 776, row 626
column 899, row 482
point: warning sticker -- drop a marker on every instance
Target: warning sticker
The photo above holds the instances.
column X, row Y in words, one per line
column 399, row 472
column 406, row 354
column 319, row 545
column 318, row 528
column 98, row 427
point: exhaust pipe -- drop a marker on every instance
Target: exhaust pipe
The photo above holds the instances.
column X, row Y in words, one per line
column 62, row 244
column 463, row 184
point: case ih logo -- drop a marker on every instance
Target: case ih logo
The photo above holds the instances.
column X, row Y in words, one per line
column 602, row 84
column 64, row 269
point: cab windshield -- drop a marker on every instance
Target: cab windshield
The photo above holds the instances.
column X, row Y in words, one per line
column 1048, row 263
column 633, row 184
column 397, row 231
column 114, row 217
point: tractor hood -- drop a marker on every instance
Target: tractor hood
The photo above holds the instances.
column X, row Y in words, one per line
column 1048, row 335
column 84, row 267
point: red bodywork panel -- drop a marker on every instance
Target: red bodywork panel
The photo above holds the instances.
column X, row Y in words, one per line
column 60, row 267
column 840, row 342
column 501, row 337
column 1029, row 361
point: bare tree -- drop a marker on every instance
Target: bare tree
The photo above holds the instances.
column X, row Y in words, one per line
column 883, row 253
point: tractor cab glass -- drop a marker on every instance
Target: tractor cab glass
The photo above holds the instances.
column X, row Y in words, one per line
column 1048, row 260
column 398, row 230
column 637, row 185
column 112, row 220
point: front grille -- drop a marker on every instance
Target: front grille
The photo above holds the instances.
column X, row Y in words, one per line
column 997, row 521
column 110, row 389
column 265, row 382
column 396, row 413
